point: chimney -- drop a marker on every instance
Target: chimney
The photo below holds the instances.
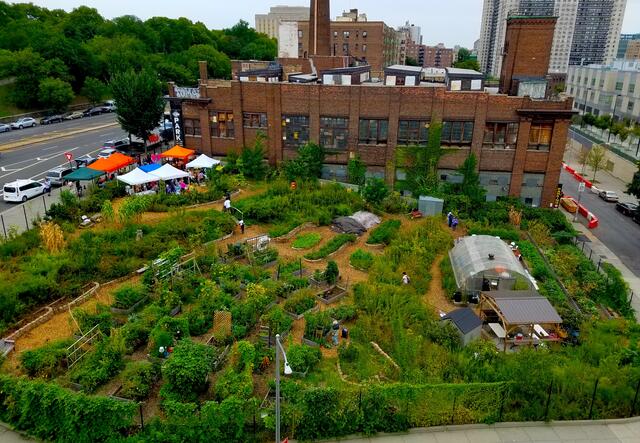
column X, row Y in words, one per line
column 320, row 28
column 527, row 50
column 204, row 75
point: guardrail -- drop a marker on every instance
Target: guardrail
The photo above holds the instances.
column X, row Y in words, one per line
column 42, row 113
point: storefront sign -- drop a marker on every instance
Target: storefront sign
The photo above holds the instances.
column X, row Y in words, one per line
column 187, row 92
column 176, row 119
column 558, row 196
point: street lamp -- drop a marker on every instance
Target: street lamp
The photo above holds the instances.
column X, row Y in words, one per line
column 287, row 371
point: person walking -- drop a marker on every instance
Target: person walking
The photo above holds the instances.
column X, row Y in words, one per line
column 405, row 279
column 449, row 218
column 335, row 332
column 454, row 223
column 47, row 186
column 241, row 224
column 226, row 206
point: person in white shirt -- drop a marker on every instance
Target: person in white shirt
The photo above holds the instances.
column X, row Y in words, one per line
column 405, row 279
column 227, row 204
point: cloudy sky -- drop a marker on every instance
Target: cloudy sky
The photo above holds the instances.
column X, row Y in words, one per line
column 448, row 21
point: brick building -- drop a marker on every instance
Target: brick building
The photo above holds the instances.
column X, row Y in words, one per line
column 437, row 56
column 519, row 141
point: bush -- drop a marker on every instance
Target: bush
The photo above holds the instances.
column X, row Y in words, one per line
column 384, row 233
column 375, row 191
column 101, row 364
column 300, row 302
column 306, row 241
column 331, row 273
column 303, row 357
column 331, row 246
column 347, row 352
column 343, row 312
column 138, row 379
column 321, row 321
column 361, row 259
column 45, row 361
column 277, row 320
column 128, row 295
column 185, row 373
column 167, row 330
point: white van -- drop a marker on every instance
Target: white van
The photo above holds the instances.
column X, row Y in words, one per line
column 22, row 190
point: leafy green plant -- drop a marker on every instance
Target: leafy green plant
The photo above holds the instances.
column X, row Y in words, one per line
column 300, row 302
column 375, row 191
column 101, row 364
column 306, row 241
column 185, row 373
column 317, row 322
column 128, row 295
column 343, row 312
column 331, row 246
column 137, row 380
column 384, row 232
column 277, row 320
column 45, row 361
column 448, row 279
column 302, row 357
column 331, row 273
column 361, row 259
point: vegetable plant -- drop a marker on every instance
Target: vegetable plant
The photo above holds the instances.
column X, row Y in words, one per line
column 331, row 246
column 384, row 232
column 300, row 302
column 361, row 259
column 307, row 241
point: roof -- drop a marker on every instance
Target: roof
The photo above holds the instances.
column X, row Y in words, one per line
column 137, row 177
column 406, row 68
column 82, row 174
column 465, row 319
column 168, row 172
column 524, row 307
column 347, row 70
column 470, row 257
column 460, row 71
column 19, row 182
column 178, row 152
column 114, row 162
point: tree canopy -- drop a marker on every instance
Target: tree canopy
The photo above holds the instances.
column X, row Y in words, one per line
column 37, row 43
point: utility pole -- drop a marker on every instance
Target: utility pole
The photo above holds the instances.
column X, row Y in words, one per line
column 580, row 191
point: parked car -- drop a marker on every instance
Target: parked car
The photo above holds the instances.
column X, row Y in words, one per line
column 57, row 175
column 627, row 208
column 25, row 122
column 84, row 160
column 609, row 196
column 73, row 115
column 106, row 153
column 22, row 190
column 117, row 144
column 636, row 217
column 4, row 127
column 93, row 111
column 51, row 119
column 109, row 106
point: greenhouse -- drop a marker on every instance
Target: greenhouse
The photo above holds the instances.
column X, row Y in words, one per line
column 486, row 263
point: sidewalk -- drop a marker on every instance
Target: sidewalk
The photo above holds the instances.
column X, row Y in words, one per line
column 7, row 435
column 20, row 217
column 602, row 431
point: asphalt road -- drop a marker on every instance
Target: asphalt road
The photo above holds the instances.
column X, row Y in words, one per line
column 618, row 232
column 55, row 128
column 34, row 160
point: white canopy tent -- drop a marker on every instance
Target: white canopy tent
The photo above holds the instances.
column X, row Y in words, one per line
column 168, row 172
column 203, row 162
column 137, row 177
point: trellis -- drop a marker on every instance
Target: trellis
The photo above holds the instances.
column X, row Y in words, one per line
column 80, row 347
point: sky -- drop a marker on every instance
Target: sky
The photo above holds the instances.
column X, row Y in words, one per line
column 452, row 22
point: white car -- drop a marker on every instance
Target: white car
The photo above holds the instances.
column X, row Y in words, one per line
column 106, row 153
column 22, row 190
column 25, row 122
column 608, row 196
column 4, row 127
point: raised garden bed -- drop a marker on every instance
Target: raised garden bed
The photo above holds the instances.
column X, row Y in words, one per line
column 306, row 241
column 332, row 294
column 384, row 233
column 132, row 309
column 331, row 247
column 300, row 316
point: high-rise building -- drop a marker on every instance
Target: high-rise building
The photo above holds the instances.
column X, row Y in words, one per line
column 633, row 50
column 269, row 23
column 625, row 39
column 587, row 31
column 410, row 37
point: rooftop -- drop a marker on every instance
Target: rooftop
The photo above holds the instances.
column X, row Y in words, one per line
column 524, row 307
column 416, row 69
column 465, row 319
column 460, row 71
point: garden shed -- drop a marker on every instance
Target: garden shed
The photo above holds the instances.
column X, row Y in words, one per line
column 467, row 323
column 486, row 263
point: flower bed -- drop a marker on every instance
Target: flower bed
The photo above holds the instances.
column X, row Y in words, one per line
column 331, row 246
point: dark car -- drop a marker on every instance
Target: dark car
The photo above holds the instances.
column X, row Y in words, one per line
column 636, row 217
column 93, row 111
column 626, row 208
column 51, row 119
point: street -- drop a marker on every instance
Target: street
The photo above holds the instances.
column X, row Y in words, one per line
column 34, row 160
column 56, row 128
column 618, row 232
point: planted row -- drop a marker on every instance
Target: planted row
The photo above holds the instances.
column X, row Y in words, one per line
column 331, row 246
column 384, row 233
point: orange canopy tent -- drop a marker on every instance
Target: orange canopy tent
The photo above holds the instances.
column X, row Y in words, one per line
column 114, row 162
column 178, row 152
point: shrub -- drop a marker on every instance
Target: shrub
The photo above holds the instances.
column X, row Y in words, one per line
column 167, row 330
column 300, row 302
column 343, row 312
column 128, row 295
column 375, row 191
column 269, row 255
column 448, row 280
column 102, row 317
column 506, row 234
column 306, row 241
column 384, row 233
column 331, row 273
column 137, row 380
column 331, row 246
column 45, row 361
column 185, row 373
column 347, row 352
column 277, row 320
column 303, row 357
column 101, row 364
column 361, row 259
column 320, row 321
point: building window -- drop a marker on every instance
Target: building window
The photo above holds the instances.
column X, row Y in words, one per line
column 500, row 136
column 222, row 124
column 364, row 34
column 496, row 184
column 335, row 34
column 413, row 132
column 255, row 120
column 192, row 126
column 334, row 132
column 345, row 34
column 540, row 136
column 457, row 133
column 632, row 88
column 299, row 34
column 345, row 48
column 531, row 191
column 619, row 86
column 364, row 48
column 630, row 106
column 295, row 130
column 334, row 172
column 374, row 132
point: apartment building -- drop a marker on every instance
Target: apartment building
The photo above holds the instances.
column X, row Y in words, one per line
column 624, row 41
column 269, row 23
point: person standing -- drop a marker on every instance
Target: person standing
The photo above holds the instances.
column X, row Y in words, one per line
column 405, row 279
column 454, row 223
column 241, row 224
column 335, row 332
column 449, row 218
column 47, row 186
column 226, row 206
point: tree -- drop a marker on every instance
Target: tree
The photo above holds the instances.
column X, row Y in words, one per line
column 583, row 158
column 251, row 161
column 356, row 171
column 470, row 185
column 374, row 191
column 634, row 187
column 463, row 55
column 308, row 163
column 55, row 94
column 94, row 90
column 422, row 163
column 410, row 61
column 468, row 64
column 597, row 158
column 140, row 102
column 589, row 119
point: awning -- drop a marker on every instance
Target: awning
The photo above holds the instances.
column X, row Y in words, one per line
column 82, row 174
column 178, row 152
column 137, row 177
column 168, row 172
column 150, row 167
column 114, row 162
column 203, row 162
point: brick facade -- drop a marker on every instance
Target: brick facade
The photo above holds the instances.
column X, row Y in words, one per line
column 392, row 104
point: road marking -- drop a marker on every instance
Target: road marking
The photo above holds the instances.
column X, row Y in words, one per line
column 49, row 148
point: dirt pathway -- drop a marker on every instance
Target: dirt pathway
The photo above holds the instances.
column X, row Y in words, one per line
column 435, row 295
